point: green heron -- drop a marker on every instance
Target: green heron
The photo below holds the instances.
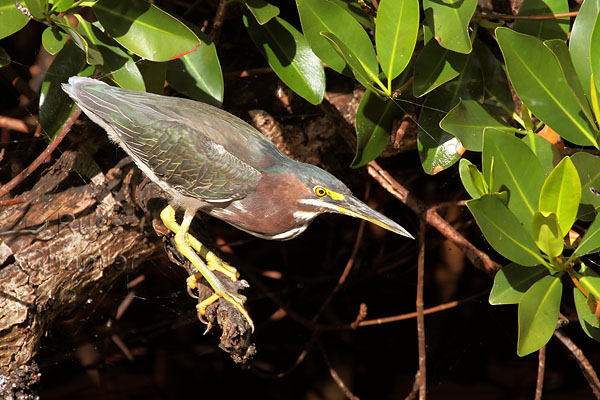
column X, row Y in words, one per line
column 207, row 159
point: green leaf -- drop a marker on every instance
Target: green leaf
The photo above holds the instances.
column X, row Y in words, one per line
column 438, row 149
column 554, row 28
column 472, row 179
column 37, row 8
column 55, row 105
column 449, row 21
column 547, row 234
column 290, row 56
column 588, row 168
column 262, row 10
column 595, row 52
column 468, row 120
column 374, row 120
column 355, row 9
column 4, row 58
column 53, row 39
column 561, row 193
column 563, row 57
column 198, row 74
column 62, row 5
column 503, row 230
column 396, row 34
column 512, row 281
column 145, row 29
column 587, row 318
column 92, row 54
column 318, row 16
column 364, row 69
column 154, row 74
column 11, row 19
column 591, row 240
column 547, row 154
column 579, row 42
column 538, row 314
column 497, row 96
column 435, row 66
column 516, row 168
column 117, row 65
column 590, row 281
column 543, row 90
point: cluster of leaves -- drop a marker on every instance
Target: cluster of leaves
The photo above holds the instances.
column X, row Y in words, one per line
column 528, row 195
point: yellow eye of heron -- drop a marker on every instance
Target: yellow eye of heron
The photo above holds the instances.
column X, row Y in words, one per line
column 319, row 191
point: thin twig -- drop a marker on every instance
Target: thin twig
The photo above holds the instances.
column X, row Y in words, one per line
column 335, row 375
column 420, row 313
column 576, row 353
column 43, row 155
column 415, row 388
column 431, row 310
column 14, row 124
column 540, row 376
column 491, row 15
column 215, row 32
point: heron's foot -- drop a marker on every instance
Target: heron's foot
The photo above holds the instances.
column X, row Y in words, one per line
column 213, row 261
column 187, row 246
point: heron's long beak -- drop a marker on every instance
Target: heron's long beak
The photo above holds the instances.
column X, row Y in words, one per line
column 355, row 208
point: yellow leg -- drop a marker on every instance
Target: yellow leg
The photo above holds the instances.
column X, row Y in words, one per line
column 213, row 261
column 183, row 240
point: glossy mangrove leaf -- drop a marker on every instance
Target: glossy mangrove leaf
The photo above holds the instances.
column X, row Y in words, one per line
column 590, row 242
column 472, row 179
column 62, row 5
column 595, row 52
column 551, row 28
column 449, row 21
column 11, row 19
column 396, row 34
column 588, row 169
column 516, row 168
column 538, row 314
column 498, row 98
column 374, row 120
column 547, row 154
column 118, row 65
column 154, row 74
column 356, row 10
column 438, row 149
column 512, row 281
column 290, row 56
column 198, row 74
column 92, row 55
column 55, row 105
column 53, row 39
column 145, row 29
column 468, row 120
column 543, row 90
column 504, row 231
column 318, row 16
column 262, row 10
column 435, row 66
column 37, row 8
column 587, row 318
column 361, row 68
column 561, row 194
column 563, row 57
column 580, row 39
column 547, row 234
